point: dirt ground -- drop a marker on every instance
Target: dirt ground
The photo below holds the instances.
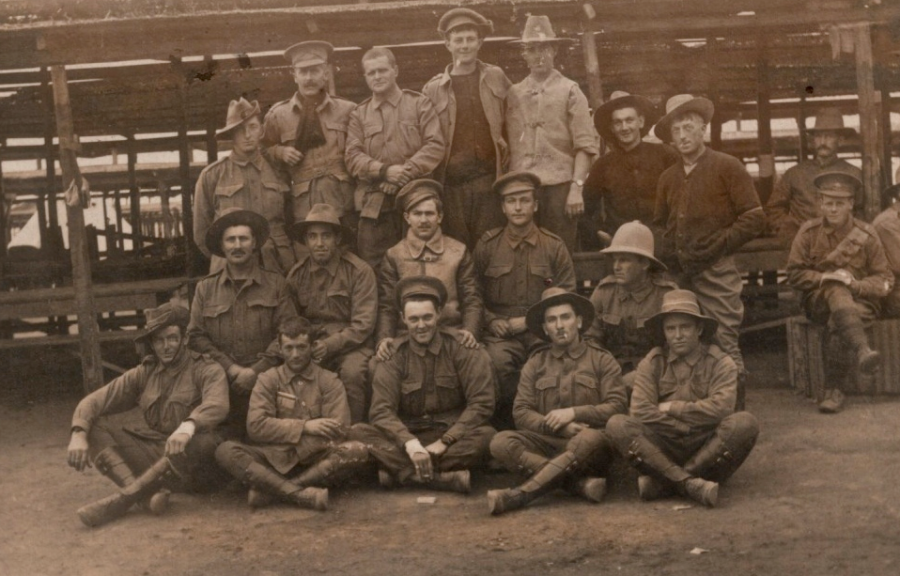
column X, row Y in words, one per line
column 819, row 495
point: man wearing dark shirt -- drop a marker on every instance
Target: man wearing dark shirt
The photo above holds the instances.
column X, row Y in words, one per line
column 470, row 100
column 625, row 178
column 707, row 208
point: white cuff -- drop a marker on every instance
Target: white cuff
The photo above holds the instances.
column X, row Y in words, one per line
column 187, row 427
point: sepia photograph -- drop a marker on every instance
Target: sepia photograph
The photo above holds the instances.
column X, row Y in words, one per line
column 442, row 287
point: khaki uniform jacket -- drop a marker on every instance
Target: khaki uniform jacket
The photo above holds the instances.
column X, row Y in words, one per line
column 621, row 314
column 280, row 405
column 240, row 325
column 816, row 240
column 401, row 129
column 493, row 86
column 514, row 276
column 339, row 299
column 193, row 388
column 251, row 185
column 441, row 257
column 584, row 377
column 444, row 385
column 324, row 164
column 701, row 386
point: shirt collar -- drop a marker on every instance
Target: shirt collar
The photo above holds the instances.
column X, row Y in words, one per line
column 331, row 265
column 573, row 351
column 692, row 358
column 298, row 104
column 255, row 275
column 688, row 168
column 179, row 362
column 536, row 85
column 530, row 236
column 417, row 246
column 288, row 375
column 840, row 231
column 639, row 294
column 393, row 98
column 446, row 76
column 256, row 160
column 434, row 347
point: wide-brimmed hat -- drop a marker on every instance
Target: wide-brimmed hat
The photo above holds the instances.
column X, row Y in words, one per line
column 555, row 296
column 678, row 105
column 417, row 191
column 634, row 238
column 539, row 30
column 163, row 316
column 838, row 184
column 319, row 214
column 427, row 286
column 309, row 53
column 464, row 17
column 618, row 100
column 236, row 217
column 516, row 181
column 830, row 120
column 239, row 111
column 681, row 302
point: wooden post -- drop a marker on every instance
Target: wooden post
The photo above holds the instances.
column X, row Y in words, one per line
column 803, row 152
column 184, row 163
column 4, row 219
column 764, row 127
column 48, row 233
column 591, row 64
column 886, row 137
column 868, row 120
column 81, row 265
column 134, row 191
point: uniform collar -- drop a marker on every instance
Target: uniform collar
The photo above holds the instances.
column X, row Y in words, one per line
column 434, row 347
column 255, row 275
column 417, row 247
column 688, row 168
column 639, row 294
column 331, row 265
column 841, row 230
column 307, row 374
column 692, row 358
column 181, row 360
column 573, row 351
column 537, row 85
column 297, row 104
column 530, row 236
column 393, row 98
column 446, row 76
column 256, row 160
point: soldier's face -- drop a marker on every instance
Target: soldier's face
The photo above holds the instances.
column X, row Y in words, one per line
column 463, row 44
column 238, row 244
column 311, row 79
column 687, row 134
column 520, row 207
column 381, row 76
column 626, row 126
column 836, row 211
column 421, row 319
column 424, row 219
column 682, row 333
column 561, row 324
column 826, row 144
column 166, row 344
column 297, row 352
column 630, row 269
column 246, row 137
column 539, row 57
column 322, row 242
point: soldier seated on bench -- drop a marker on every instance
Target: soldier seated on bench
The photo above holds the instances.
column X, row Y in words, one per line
column 839, row 265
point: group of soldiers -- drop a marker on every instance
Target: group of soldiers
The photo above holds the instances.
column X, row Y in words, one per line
column 391, row 283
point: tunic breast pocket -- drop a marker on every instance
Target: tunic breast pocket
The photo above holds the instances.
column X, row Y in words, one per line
column 543, row 274
column 273, row 200
column 547, row 389
column 337, row 132
column 587, row 390
column 411, row 134
column 340, row 300
column 494, row 281
column 448, row 390
column 286, row 405
column 374, row 135
column 227, row 196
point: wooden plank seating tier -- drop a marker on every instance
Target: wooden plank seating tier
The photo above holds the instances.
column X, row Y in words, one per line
column 806, row 352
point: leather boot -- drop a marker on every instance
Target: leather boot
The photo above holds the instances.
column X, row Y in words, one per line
column 112, row 507
column 262, row 477
column 832, row 402
column 650, row 460
column 545, row 480
column 340, row 464
column 649, row 488
column 257, row 498
column 454, row 481
column 592, row 489
column 716, row 460
column 851, row 328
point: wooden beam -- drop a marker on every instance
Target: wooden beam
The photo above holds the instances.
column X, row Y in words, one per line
column 591, row 63
column 869, row 118
column 764, row 127
column 88, row 331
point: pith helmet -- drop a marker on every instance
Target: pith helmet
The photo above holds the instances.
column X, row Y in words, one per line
column 634, row 238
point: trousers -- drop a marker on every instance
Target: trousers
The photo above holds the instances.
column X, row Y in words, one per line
column 592, row 449
column 470, row 209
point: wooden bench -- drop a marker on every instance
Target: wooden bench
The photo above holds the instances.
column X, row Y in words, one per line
column 805, row 342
